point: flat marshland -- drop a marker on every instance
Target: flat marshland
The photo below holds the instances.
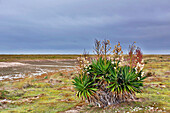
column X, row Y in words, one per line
column 43, row 83
column 35, row 57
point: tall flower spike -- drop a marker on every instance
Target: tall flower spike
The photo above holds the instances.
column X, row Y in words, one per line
column 117, row 51
column 97, row 48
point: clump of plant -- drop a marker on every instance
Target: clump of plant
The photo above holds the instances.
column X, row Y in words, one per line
column 104, row 82
column 3, row 94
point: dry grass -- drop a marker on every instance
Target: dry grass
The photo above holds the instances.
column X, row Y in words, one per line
column 4, row 58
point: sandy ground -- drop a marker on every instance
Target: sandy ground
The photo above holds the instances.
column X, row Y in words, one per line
column 11, row 64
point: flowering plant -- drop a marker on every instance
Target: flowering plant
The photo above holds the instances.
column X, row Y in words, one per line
column 105, row 82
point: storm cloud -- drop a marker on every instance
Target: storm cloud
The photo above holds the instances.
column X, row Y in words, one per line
column 69, row 26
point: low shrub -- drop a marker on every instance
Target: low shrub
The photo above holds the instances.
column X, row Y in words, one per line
column 104, row 82
column 3, row 94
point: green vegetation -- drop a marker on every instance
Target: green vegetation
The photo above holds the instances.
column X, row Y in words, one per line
column 104, row 82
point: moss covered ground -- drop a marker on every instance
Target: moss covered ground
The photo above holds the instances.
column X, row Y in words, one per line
column 39, row 95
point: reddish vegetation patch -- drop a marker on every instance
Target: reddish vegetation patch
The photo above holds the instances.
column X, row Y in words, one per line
column 77, row 108
column 167, row 73
column 66, row 88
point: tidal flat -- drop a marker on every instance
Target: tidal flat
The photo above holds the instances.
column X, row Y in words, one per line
column 25, row 68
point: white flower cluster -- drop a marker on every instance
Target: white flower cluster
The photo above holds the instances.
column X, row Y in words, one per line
column 116, row 60
column 139, row 67
column 83, row 62
column 147, row 109
column 136, row 109
column 112, row 62
column 155, row 109
column 142, row 74
column 122, row 62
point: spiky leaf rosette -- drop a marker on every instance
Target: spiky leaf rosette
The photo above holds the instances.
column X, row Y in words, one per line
column 124, row 82
column 85, row 86
column 99, row 68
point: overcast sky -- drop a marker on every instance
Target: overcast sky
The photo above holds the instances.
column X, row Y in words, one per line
column 69, row 26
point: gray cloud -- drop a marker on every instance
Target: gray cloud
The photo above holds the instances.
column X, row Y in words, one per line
column 72, row 25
